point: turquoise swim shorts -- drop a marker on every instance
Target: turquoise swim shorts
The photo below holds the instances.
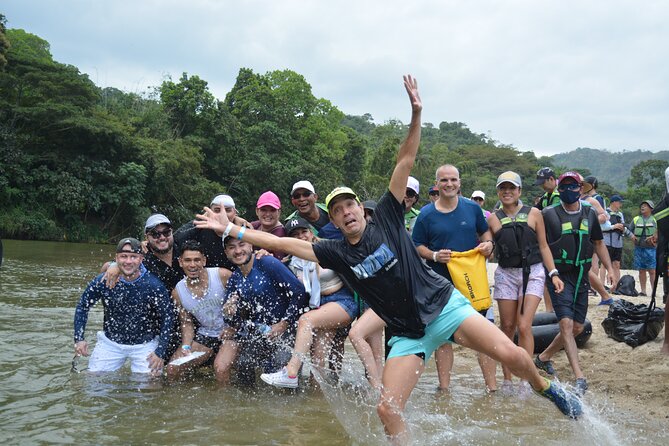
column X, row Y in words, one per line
column 438, row 332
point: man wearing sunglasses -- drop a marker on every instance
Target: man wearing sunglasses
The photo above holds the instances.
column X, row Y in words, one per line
column 573, row 233
column 410, row 199
column 161, row 257
column 305, row 199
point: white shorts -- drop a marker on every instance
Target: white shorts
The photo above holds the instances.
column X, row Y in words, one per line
column 509, row 282
column 109, row 356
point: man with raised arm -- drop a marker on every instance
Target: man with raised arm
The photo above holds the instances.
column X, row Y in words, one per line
column 423, row 309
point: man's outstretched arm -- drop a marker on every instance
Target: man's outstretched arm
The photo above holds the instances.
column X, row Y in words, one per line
column 219, row 223
column 407, row 153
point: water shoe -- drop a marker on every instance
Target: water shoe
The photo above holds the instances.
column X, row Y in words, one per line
column 568, row 403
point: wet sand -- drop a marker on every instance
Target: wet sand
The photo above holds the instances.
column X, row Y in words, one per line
column 632, row 379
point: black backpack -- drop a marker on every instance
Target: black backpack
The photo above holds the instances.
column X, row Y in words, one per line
column 626, row 286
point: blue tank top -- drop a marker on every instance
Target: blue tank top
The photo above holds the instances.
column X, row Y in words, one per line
column 208, row 308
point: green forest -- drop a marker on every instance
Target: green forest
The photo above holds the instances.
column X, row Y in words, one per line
column 83, row 163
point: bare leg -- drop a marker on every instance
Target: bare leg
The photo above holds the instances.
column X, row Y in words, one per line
column 508, row 311
column 597, row 285
column 525, row 336
column 329, row 316
column 489, row 370
column 642, row 280
column 566, row 339
column 616, row 274
column 322, row 346
column 224, row 360
column 651, row 274
column 175, row 371
column 399, row 379
column 366, row 336
column 443, row 357
column 548, row 303
column 665, row 345
column 479, row 334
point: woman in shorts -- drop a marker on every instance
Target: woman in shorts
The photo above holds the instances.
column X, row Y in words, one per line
column 333, row 306
column 520, row 247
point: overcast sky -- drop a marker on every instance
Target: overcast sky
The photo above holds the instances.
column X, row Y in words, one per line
column 547, row 76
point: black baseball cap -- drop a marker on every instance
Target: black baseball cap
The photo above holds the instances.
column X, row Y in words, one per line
column 296, row 223
column 543, row 174
column 135, row 246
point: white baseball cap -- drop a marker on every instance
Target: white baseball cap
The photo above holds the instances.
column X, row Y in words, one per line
column 478, row 194
column 303, row 185
column 413, row 184
column 224, row 200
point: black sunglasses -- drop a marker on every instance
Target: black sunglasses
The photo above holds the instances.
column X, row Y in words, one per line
column 156, row 234
column 411, row 193
column 298, row 195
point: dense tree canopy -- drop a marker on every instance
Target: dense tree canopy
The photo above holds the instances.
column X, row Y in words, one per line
column 82, row 163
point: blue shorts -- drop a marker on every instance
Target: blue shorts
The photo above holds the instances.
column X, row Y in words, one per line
column 438, row 332
column 644, row 258
column 345, row 299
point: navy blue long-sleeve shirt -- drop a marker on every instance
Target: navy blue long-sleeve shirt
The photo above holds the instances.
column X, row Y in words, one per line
column 269, row 294
column 134, row 312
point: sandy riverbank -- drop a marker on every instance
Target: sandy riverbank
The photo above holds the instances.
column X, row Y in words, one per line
column 633, row 379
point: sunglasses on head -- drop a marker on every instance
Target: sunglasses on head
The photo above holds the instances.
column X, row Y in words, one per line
column 569, row 186
column 298, row 195
column 156, row 234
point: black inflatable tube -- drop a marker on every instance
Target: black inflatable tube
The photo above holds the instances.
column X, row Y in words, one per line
column 545, row 328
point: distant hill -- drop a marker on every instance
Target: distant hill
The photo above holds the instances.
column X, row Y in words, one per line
column 611, row 167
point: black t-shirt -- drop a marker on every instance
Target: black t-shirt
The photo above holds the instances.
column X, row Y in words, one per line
column 210, row 241
column 169, row 275
column 385, row 268
column 323, row 219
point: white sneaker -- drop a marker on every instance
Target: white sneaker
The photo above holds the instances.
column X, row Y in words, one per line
column 280, row 379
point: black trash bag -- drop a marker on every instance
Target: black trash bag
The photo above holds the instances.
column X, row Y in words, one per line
column 633, row 324
column 626, row 286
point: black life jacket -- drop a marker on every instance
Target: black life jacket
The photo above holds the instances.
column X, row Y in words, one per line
column 571, row 247
column 516, row 240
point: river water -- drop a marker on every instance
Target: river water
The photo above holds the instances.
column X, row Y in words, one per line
column 42, row 402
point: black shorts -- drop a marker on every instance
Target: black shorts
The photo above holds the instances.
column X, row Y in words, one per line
column 615, row 254
column 208, row 341
column 570, row 304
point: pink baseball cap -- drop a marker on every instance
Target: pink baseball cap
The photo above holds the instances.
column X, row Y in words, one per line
column 269, row 198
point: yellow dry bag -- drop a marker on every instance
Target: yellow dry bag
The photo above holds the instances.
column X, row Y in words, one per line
column 470, row 277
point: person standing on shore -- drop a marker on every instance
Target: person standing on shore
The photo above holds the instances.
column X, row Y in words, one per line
column 573, row 234
column 644, row 229
column 522, row 252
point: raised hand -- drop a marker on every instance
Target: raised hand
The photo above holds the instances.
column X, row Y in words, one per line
column 211, row 220
column 411, row 85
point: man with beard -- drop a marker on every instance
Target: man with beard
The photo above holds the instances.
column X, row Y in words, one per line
column 160, row 256
column 264, row 300
column 138, row 317
column 380, row 261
